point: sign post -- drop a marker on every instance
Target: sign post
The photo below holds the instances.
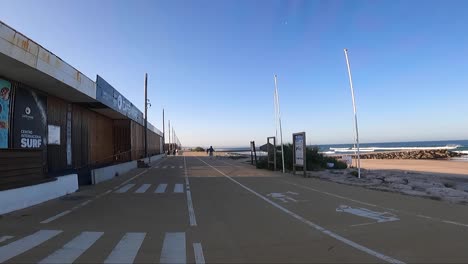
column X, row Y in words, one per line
column 299, row 152
column 253, row 153
column 274, row 152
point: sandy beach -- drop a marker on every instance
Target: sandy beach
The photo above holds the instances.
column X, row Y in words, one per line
column 430, row 166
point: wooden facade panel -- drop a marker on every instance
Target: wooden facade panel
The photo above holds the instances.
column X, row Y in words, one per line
column 26, row 168
column 122, row 142
column 80, row 146
column 138, row 141
column 57, row 116
column 101, row 139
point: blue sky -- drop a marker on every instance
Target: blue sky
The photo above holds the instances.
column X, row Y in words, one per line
column 211, row 63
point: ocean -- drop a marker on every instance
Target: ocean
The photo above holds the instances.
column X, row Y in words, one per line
column 460, row 146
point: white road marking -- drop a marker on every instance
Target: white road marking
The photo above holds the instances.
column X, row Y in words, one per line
column 383, row 207
column 125, row 188
column 143, row 188
column 191, row 210
column 380, row 217
column 164, row 167
column 161, row 188
column 283, row 197
column 424, row 216
column 173, row 250
column 330, row 194
column 178, row 188
column 172, row 167
column 22, row 245
column 156, row 167
column 123, row 183
column 198, row 251
column 181, row 167
column 127, row 249
column 363, row 224
column 454, row 223
column 311, row 224
column 73, row 249
column 5, row 238
column 85, row 203
column 55, row 217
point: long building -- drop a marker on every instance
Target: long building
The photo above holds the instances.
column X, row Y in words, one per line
column 55, row 121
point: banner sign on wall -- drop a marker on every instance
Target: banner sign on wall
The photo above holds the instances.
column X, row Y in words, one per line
column 5, row 92
column 110, row 97
column 30, row 119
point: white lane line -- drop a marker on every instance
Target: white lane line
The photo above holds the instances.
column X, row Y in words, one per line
column 20, row 246
column 178, row 188
column 85, row 203
column 424, row 216
column 181, row 167
column 363, row 224
column 172, row 167
column 191, row 210
column 156, row 167
column 143, row 188
column 164, row 167
column 454, row 223
column 5, row 238
column 125, row 188
column 56, row 217
column 197, row 249
column 173, row 250
column 127, row 249
column 73, row 249
column 330, row 194
column 313, row 225
column 161, row 188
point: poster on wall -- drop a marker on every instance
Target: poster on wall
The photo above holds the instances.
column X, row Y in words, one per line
column 53, row 135
column 30, row 119
column 5, row 92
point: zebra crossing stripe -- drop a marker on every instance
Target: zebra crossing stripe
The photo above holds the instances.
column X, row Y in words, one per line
column 143, row 188
column 198, row 251
column 161, row 188
column 172, row 167
column 22, row 245
column 178, row 188
column 125, row 188
column 127, row 249
column 73, row 249
column 164, row 167
column 181, row 167
column 173, row 250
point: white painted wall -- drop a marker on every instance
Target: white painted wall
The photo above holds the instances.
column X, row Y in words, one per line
column 19, row 198
column 108, row 173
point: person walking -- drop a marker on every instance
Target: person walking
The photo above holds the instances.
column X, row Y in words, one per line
column 211, row 150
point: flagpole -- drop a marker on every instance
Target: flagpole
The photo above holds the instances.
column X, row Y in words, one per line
column 355, row 112
column 279, row 120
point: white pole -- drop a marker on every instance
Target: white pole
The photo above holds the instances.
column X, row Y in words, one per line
column 355, row 112
column 279, row 120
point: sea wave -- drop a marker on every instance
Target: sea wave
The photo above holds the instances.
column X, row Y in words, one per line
column 372, row 149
